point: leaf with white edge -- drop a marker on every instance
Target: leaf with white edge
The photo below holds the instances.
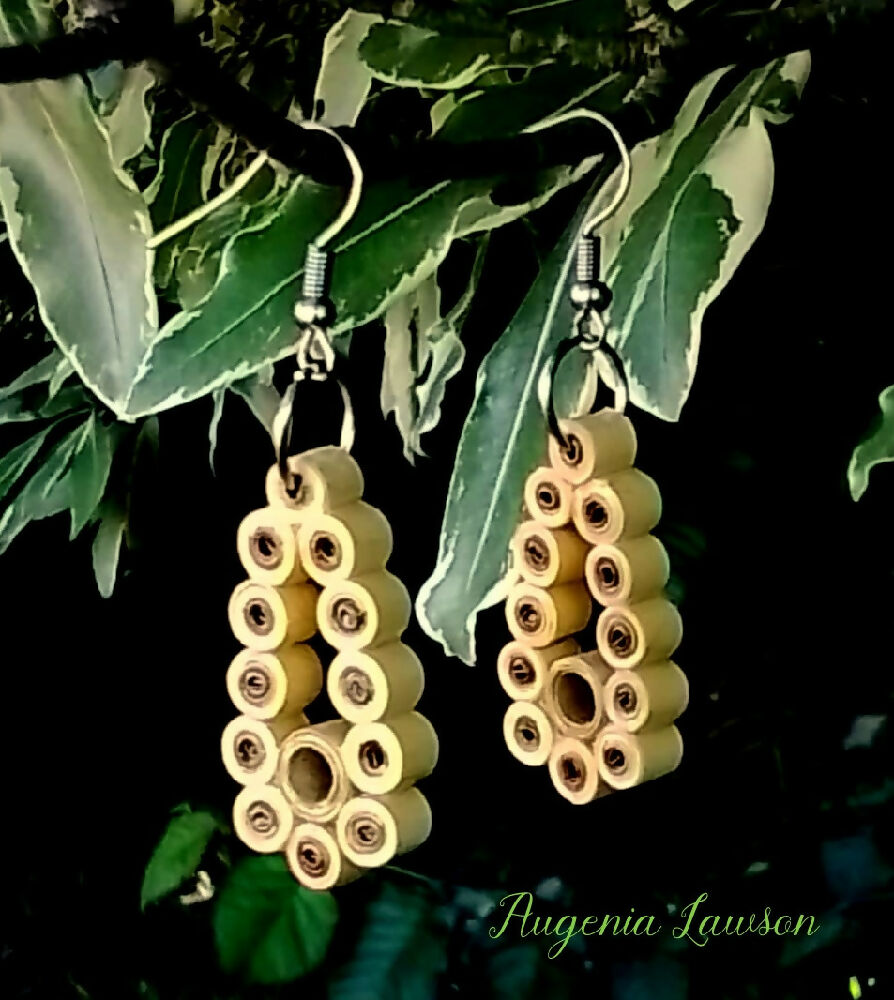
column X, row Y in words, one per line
column 698, row 200
column 129, row 122
column 14, row 463
column 178, row 854
column 89, row 471
column 218, row 397
column 43, row 371
column 61, row 375
column 875, row 448
column 409, row 56
column 267, row 927
column 72, row 211
column 107, row 546
column 344, row 80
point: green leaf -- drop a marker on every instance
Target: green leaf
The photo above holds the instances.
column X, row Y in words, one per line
column 344, row 80
column 178, row 854
column 70, row 210
column 129, row 123
column 14, row 463
column 89, row 471
column 41, row 372
column 268, row 928
column 218, row 398
column 698, row 200
column 876, row 447
column 107, row 546
column 262, row 398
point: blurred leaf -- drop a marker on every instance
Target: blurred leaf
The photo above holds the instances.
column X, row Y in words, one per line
column 41, row 372
column 129, row 122
column 179, row 852
column 268, row 928
column 512, row 972
column 262, row 398
column 89, row 471
column 344, row 80
column 14, row 462
column 107, row 546
column 218, row 398
column 875, row 448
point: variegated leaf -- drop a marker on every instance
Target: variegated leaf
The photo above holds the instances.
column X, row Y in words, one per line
column 875, row 448
column 344, row 79
column 129, row 122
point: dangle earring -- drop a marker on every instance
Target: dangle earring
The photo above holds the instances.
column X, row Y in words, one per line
column 337, row 797
column 596, row 705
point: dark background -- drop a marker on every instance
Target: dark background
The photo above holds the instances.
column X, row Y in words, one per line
column 113, row 709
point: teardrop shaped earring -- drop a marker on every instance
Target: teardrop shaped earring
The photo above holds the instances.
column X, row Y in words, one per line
column 597, row 707
column 336, row 797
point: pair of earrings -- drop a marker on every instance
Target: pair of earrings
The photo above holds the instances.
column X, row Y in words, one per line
column 339, row 797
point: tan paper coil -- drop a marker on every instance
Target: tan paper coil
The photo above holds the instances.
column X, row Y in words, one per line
column 365, row 686
column 626, row 504
column 548, row 498
column 522, row 671
column 314, row 859
column 250, row 748
column 630, row 570
column 264, row 685
column 372, row 610
column 575, row 772
column 574, row 695
column 648, row 632
column 371, row 831
column 354, row 540
column 381, row 757
column 310, row 771
column 528, row 733
column 320, row 479
column 629, row 759
column 262, row 818
column 548, row 556
column 599, row 444
column 265, row 618
column 540, row 616
column 648, row 698
column 266, row 543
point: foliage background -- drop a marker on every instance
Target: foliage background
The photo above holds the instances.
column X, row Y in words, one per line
column 115, row 707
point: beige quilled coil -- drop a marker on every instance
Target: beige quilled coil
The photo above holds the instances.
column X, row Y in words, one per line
column 353, row 540
column 539, row 616
column 250, row 748
column 265, row 685
column 548, row 556
column 598, row 444
column 624, row 505
column 365, row 686
column 629, row 759
column 630, row 635
column 263, row 818
column 265, row 618
column 371, row 831
column 381, row 757
column 372, row 610
column 574, row 694
column 575, row 772
column 628, row 571
column 267, row 546
column 319, row 479
column 310, row 771
column 548, row 497
column 522, row 671
column 314, row 858
column 647, row 698
column 528, row 733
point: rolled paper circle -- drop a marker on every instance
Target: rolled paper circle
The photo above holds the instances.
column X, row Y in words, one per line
column 548, row 498
column 310, row 771
column 319, row 479
column 262, row 818
column 365, row 686
column 315, row 860
column 249, row 750
column 597, row 444
column 548, row 556
column 371, row 610
column 528, row 733
column 628, row 759
column 540, row 616
column 575, row 772
column 574, row 694
column 371, row 831
column 381, row 757
column 267, row 547
column 630, row 570
column 626, row 504
column 349, row 542
column 648, row 632
column 265, row 685
column 522, row 670
column 264, row 617
column 647, row 698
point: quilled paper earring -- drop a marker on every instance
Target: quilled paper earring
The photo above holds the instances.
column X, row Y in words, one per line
column 596, row 705
column 336, row 797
